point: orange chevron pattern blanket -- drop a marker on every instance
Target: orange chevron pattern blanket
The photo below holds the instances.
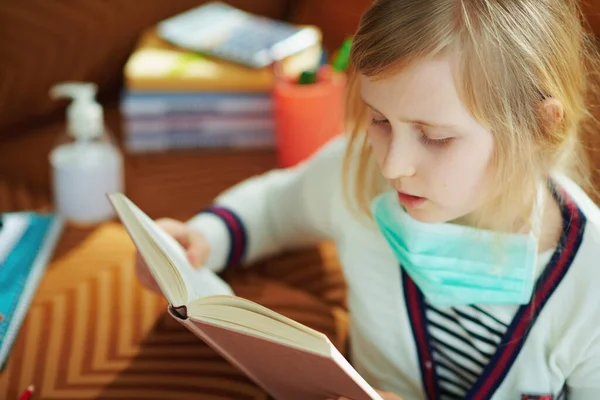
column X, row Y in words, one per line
column 93, row 332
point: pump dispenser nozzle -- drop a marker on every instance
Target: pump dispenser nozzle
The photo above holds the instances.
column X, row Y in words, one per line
column 85, row 118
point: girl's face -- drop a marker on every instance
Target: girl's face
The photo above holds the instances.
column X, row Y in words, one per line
column 427, row 144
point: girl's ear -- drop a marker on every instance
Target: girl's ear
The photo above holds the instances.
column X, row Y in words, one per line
column 552, row 112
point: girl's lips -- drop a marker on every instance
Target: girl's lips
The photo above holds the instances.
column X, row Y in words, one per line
column 410, row 201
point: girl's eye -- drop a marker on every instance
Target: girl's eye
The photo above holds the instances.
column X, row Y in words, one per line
column 435, row 142
column 426, row 140
column 378, row 122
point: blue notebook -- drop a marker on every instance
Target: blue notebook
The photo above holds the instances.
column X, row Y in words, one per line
column 27, row 241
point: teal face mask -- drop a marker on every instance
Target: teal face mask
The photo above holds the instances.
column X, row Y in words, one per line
column 454, row 264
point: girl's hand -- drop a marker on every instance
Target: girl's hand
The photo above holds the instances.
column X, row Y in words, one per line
column 384, row 396
column 195, row 246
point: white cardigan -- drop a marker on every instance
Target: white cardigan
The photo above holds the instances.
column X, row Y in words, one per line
column 390, row 343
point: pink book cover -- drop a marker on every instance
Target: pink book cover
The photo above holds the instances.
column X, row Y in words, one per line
column 284, row 372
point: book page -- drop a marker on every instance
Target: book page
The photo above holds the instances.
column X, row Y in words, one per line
column 247, row 321
column 161, row 267
column 198, row 283
column 253, row 307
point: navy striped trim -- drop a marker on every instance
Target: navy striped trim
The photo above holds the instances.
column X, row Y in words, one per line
column 462, row 339
column 513, row 340
column 416, row 311
column 490, row 316
column 473, row 320
column 450, row 396
column 237, row 233
column 484, row 326
column 573, row 227
column 458, row 352
column 444, row 362
column 458, row 385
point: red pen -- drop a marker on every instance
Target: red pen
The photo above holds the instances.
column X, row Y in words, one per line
column 27, row 393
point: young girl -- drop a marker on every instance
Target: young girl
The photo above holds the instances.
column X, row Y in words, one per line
column 469, row 247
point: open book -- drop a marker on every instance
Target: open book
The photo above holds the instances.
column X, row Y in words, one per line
column 287, row 359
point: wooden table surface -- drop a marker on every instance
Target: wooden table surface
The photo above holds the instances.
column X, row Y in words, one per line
column 93, row 332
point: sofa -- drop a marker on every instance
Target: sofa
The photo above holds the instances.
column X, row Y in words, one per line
column 47, row 42
column 111, row 337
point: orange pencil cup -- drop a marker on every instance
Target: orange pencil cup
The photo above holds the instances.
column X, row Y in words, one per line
column 307, row 116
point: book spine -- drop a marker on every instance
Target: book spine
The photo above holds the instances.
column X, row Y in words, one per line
column 202, row 114
column 164, row 104
column 206, row 95
column 164, row 141
column 197, row 124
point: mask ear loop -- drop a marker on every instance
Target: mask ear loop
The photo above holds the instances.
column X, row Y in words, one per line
column 536, row 227
column 538, row 211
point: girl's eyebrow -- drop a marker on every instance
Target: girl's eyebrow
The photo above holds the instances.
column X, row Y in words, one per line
column 430, row 124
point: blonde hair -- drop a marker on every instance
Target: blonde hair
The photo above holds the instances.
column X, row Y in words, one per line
column 513, row 54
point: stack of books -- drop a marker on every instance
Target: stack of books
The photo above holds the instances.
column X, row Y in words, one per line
column 178, row 99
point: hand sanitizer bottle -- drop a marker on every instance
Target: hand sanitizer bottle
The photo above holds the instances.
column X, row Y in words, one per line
column 86, row 162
